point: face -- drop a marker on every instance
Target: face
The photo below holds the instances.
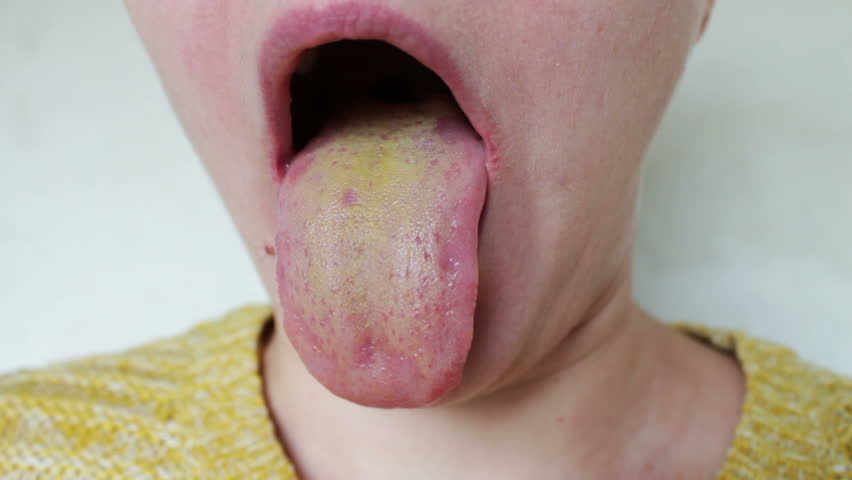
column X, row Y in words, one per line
column 524, row 167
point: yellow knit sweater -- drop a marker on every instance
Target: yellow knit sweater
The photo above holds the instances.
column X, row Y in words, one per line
column 192, row 407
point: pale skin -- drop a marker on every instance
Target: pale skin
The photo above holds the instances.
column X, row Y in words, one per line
column 566, row 376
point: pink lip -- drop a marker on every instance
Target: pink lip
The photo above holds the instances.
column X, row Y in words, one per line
column 298, row 30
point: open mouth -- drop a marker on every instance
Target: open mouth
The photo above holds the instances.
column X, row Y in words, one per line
column 379, row 201
column 336, row 76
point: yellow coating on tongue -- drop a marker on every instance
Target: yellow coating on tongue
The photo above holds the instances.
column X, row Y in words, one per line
column 378, row 236
column 368, row 172
column 372, row 184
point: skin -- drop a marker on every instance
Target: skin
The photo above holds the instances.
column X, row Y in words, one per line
column 566, row 376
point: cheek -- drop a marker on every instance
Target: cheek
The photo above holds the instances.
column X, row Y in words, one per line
column 202, row 50
column 585, row 83
column 206, row 33
column 192, row 46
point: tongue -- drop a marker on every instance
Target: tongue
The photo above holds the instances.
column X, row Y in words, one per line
column 377, row 243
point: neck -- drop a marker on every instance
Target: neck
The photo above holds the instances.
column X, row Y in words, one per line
column 614, row 411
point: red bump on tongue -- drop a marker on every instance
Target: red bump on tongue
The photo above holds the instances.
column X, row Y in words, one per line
column 377, row 252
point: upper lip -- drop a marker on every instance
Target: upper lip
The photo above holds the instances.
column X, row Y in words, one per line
column 297, row 31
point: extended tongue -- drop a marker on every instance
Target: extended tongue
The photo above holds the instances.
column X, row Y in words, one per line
column 377, row 252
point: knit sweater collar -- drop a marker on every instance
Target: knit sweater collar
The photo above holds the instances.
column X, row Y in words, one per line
column 796, row 422
column 797, row 418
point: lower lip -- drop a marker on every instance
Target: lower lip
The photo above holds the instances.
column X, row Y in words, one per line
column 298, row 30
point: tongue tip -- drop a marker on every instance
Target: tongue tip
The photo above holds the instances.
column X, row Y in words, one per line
column 386, row 379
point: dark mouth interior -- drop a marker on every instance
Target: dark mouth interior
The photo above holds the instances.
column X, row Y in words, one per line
column 335, row 75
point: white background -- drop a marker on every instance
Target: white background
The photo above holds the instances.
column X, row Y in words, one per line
column 111, row 234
